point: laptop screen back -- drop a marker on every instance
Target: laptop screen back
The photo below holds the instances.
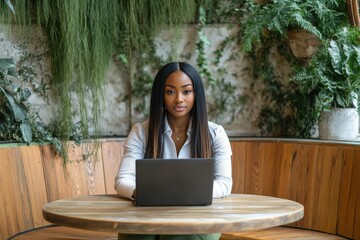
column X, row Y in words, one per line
column 174, row 182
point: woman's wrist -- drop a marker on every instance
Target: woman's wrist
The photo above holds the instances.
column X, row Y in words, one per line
column 133, row 196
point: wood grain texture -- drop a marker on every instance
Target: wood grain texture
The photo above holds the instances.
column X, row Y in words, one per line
column 238, row 166
column 280, row 233
column 111, row 156
column 35, row 180
column 349, row 202
column 238, row 212
column 308, row 173
column 324, row 177
column 82, row 175
column 22, row 189
column 9, row 194
column 64, row 233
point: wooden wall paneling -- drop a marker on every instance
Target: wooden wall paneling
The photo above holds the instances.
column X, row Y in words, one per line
column 112, row 152
column 356, row 188
column 238, row 166
column 92, row 164
column 54, row 174
column 301, row 181
column 35, row 180
column 10, row 194
column 82, row 175
column 349, row 195
column 315, row 180
column 328, row 183
column 252, row 165
column 261, row 168
column 269, row 168
column 285, row 158
column 22, row 190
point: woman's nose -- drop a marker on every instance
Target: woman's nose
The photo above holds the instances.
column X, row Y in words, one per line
column 179, row 98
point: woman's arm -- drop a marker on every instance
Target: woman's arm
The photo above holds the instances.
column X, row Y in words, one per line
column 222, row 154
column 134, row 149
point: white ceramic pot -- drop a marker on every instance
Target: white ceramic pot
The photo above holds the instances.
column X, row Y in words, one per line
column 339, row 124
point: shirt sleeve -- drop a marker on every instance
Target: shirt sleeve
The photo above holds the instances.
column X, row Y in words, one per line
column 223, row 169
column 134, row 148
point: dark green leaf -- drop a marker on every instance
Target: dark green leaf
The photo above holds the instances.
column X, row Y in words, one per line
column 335, row 56
column 26, row 132
column 18, row 110
column 6, row 63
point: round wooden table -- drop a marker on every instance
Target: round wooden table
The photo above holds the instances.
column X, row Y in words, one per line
column 238, row 212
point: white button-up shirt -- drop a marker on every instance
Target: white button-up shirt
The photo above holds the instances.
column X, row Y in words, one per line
column 135, row 146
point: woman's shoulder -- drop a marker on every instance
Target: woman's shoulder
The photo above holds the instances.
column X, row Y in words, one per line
column 141, row 125
column 219, row 137
column 139, row 129
column 215, row 129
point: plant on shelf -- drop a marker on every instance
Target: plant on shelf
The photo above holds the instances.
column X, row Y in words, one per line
column 17, row 121
column 286, row 112
column 332, row 76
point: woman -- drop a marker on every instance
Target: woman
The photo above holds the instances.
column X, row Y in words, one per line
column 177, row 128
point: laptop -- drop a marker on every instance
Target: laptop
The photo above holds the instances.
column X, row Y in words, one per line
column 174, row 182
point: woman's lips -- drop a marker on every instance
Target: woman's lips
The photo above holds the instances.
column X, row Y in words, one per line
column 179, row 108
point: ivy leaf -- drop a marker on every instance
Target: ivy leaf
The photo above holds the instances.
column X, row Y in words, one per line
column 26, row 132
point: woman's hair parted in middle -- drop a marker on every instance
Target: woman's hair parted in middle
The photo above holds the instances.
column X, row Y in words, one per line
column 200, row 137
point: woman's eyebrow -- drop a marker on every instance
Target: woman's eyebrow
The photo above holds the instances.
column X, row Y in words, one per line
column 183, row 86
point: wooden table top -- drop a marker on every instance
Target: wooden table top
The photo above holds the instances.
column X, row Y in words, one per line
column 238, row 212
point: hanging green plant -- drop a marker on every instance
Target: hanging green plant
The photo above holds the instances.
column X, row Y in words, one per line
column 83, row 36
column 140, row 22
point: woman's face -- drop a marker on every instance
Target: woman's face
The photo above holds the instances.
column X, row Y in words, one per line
column 179, row 94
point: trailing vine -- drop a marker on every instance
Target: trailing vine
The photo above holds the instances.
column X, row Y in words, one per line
column 83, row 35
column 225, row 100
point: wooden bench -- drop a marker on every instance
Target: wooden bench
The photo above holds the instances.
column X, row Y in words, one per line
column 55, row 232
column 280, row 233
column 323, row 176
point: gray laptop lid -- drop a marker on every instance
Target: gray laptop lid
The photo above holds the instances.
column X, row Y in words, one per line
column 174, row 182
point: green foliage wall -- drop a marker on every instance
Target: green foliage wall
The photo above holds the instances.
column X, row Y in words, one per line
column 83, row 36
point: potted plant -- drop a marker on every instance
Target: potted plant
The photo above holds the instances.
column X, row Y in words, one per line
column 274, row 28
column 332, row 80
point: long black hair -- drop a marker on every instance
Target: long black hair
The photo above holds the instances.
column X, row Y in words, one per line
column 200, row 137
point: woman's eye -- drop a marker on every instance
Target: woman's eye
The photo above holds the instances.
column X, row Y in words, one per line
column 187, row 92
column 170, row 92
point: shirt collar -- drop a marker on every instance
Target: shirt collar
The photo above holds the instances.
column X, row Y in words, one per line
column 168, row 128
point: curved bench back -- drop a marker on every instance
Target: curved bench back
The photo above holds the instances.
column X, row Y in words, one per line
column 31, row 176
column 324, row 177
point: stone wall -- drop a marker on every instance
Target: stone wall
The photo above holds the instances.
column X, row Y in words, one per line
column 29, row 49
